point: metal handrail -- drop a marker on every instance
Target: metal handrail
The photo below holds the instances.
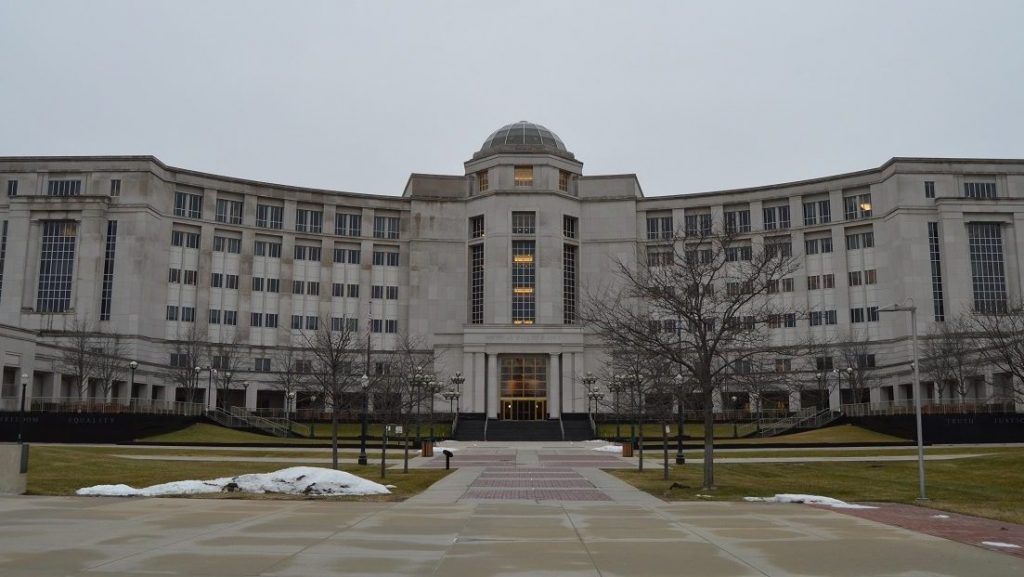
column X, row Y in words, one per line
column 132, row 406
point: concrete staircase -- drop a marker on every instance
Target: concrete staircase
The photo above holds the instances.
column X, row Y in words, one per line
column 470, row 429
column 498, row 430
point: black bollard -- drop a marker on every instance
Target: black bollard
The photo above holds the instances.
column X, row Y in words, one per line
column 447, row 459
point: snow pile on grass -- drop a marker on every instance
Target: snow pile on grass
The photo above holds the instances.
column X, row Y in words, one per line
column 1000, row 544
column 444, row 448
column 290, row 481
column 609, row 449
column 940, row 516
column 808, row 499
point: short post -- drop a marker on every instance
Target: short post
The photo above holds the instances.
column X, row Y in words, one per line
column 447, row 459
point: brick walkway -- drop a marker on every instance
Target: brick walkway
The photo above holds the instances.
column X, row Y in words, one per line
column 952, row 526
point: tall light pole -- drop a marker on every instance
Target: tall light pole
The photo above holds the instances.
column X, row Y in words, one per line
column 588, row 383
column 21, row 414
column 195, row 382
column 848, row 371
column 209, row 386
column 289, row 402
column 680, row 459
column 735, row 410
column 131, row 379
column 364, row 382
column 917, row 392
column 418, row 382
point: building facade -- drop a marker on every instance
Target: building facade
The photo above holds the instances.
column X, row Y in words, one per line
column 486, row 268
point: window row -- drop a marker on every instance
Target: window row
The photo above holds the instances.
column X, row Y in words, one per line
column 270, row 216
column 864, row 314
column 226, row 317
column 184, row 314
column 825, row 281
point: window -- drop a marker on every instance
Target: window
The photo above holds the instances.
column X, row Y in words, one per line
column 818, row 318
column 188, row 314
column 255, row 320
column 776, row 217
column 188, row 204
column 476, row 226
column 257, row 284
column 353, row 291
column 346, row 224
column 524, row 223
column 570, row 226
column 231, row 281
column 788, row 285
column 172, row 313
column 476, row 284
column 191, row 277
column 269, row 216
column 312, row 323
column 66, row 187
column 226, row 244
column 988, row 275
column 659, row 256
column 856, row 206
column 338, row 289
column 818, row 245
column 935, row 258
column 385, row 258
column 174, row 275
column 855, row 278
column 778, row 247
column 56, row 266
column 261, row 365
column 267, row 248
column 297, row 322
column 737, row 221
column 214, row 317
column 813, row 283
column 523, row 282
column 830, row 317
column 738, row 253
column 696, row 224
column 346, row 255
column 107, row 290
column 377, row 291
column 270, row 320
column 659, row 227
column 115, row 187
column 698, row 256
column 309, row 220
column 865, row 361
column 871, row 276
column 828, row 281
column 273, row 285
column 857, row 315
column 563, row 180
column 12, row 188
column 310, row 253
column 313, row 288
column 817, row 212
column 860, row 240
column 298, row 287
column 228, row 211
column 386, row 227
column 980, row 190
column 231, row 318
column 483, row 181
column 185, row 239
column 929, row 189
column 523, row 176
column 569, row 287
column 216, row 280
column 872, row 313
column 789, row 320
column 823, row 363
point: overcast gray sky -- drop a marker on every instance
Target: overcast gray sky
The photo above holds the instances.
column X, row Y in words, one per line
column 690, row 96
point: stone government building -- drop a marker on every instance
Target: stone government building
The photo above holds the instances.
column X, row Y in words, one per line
column 486, row 267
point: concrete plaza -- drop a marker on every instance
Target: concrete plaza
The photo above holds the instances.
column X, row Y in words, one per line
column 523, row 510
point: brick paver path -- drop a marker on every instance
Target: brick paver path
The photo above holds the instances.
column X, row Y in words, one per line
column 952, row 526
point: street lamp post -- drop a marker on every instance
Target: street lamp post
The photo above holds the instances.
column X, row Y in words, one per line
column 848, row 371
column 364, row 382
column 917, row 392
column 616, row 388
column 680, row 459
column 588, row 383
column 289, row 402
column 735, row 410
column 418, row 381
column 209, row 386
column 432, row 389
column 820, row 377
column 21, row 414
column 131, row 379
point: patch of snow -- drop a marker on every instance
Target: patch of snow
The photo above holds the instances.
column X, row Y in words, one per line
column 314, row 481
column 1000, row 544
column 940, row 516
column 439, row 448
column 808, row 499
column 608, row 449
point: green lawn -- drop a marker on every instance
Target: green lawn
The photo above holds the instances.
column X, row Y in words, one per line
column 990, row 486
column 208, row 433
column 723, row 434
column 62, row 470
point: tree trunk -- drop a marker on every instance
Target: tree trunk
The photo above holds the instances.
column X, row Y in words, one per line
column 640, row 434
column 405, row 464
column 664, row 446
column 334, row 437
column 383, row 451
column 709, row 438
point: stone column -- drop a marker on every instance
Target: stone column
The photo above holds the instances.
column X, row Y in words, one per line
column 493, row 386
column 554, row 387
column 566, row 396
column 479, row 382
column 466, row 400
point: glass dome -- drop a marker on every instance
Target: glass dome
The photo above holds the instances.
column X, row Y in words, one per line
column 523, row 137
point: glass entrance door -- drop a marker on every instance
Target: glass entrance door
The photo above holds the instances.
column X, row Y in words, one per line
column 524, row 409
column 524, row 387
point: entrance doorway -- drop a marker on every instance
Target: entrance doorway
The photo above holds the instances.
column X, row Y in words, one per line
column 523, row 409
column 524, row 387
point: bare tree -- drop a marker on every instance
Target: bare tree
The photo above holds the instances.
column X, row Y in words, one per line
column 645, row 386
column 999, row 338
column 79, row 357
column 334, row 370
column 857, row 362
column 951, row 357
column 288, row 378
column 191, row 353
column 227, row 359
column 110, row 362
column 720, row 287
column 402, row 389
